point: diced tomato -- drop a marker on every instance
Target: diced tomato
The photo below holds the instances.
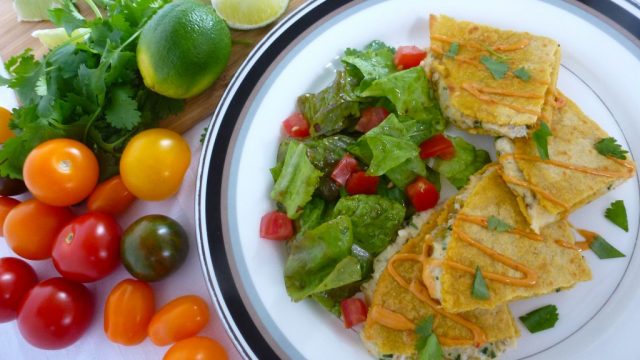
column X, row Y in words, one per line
column 347, row 166
column 360, row 183
column 276, row 226
column 354, row 311
column 422, row 194
column 296, row 126
column 437, row 145
column 371, row 117
column 408, row 56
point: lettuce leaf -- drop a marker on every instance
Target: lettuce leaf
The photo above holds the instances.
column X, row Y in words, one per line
column 375, row 220
column 389, row 151
column 325, row 153
column 320, row 259
column 332, row 109
column 297, row 180
column 373, row 62
column 468, row 161
column 410, row 91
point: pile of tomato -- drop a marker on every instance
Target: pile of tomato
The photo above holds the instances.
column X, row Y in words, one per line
column 72, row 220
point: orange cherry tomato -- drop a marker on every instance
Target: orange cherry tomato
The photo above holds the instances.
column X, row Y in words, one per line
column 181, row 318
column 196, row 348
column 5, row 131
column 111, row 197
column 6, row 205
column 31, row 228
column 60, row 172
column 128, row 311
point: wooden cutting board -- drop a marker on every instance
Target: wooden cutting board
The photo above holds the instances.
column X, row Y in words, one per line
column 16, row 36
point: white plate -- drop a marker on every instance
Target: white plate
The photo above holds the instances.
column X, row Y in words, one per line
column 600, row 72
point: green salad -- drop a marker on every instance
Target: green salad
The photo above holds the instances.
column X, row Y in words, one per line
column 361, row 157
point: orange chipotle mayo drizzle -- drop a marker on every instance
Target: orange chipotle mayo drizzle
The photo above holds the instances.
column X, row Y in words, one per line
column 508, row 47
column 476, row 91
column 484, row 222
column 588, row 237
column 536, row 189
column 598, row 172
column 394, row 322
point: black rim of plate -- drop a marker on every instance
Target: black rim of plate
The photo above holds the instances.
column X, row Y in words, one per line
column 246, row 336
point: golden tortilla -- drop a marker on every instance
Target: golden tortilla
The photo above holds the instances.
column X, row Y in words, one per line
column 556, row 267
column 509, row 101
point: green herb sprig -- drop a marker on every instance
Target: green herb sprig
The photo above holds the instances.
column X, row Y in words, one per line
column 617, row 214
column 540, row 319
column 427, row 345
column 90, row 91
column 540, row 138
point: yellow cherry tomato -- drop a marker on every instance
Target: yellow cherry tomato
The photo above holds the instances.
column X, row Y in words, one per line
column 5, row 132
column 153, row 164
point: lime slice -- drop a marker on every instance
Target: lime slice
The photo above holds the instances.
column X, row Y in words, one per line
column 250, row 14
column 52, row 38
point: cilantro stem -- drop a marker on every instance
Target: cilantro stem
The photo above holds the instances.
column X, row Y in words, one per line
column 94, row 8
column 91, row 120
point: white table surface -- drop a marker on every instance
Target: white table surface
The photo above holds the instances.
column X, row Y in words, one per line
column 187, row 280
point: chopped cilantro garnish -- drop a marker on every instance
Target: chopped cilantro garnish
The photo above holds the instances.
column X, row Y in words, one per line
column 610, row 147
column 540, row 319
column 617, row 214
column 540, row 137
column 203, row 135
column 522, row 73
column 427, row 344
column 497, row 55
column 497, row 68
column 453, row 50
column 495, row 224
column 603, row 249
column 479, row 289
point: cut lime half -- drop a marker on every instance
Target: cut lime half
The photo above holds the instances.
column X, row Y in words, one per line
column 249, row 14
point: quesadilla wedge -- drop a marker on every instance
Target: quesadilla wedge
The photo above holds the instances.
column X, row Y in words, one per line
column 491, row 81
column 575, row 173
column 400, row 301
column 487, row 232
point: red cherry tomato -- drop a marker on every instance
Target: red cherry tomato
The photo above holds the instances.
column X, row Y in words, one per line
column 128, row 311
column 360, row 183
column 6, row 205
column 437, row 145
column 371, row 117
column 31, row 228
column 276, row 226
column 61, row 172
column 55, row 313
column 196, row 348
column 346, row 166
column 111, row 197
column 422, row 194
column 354, row 311
column 88, row 248
column 408, row 56
column 16, row 279
column 182, row 318
column 296, row 126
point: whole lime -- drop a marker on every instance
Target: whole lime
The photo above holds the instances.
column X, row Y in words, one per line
column 183, row 49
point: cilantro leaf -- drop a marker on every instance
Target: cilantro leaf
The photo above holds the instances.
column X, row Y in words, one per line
column 610, row 147
column 603, row 249
column 495, row 224
column 479, row 290
column 122, row 111
column 540, row 138
column 424, row 329
column 617, row 214
column 453, row 50
column 522, row 73
column 432, row 350
column 497, row 68
column 540, row 319
column 67, row 16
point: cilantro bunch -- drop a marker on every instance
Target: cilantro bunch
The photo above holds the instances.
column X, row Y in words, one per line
column 87, row 89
